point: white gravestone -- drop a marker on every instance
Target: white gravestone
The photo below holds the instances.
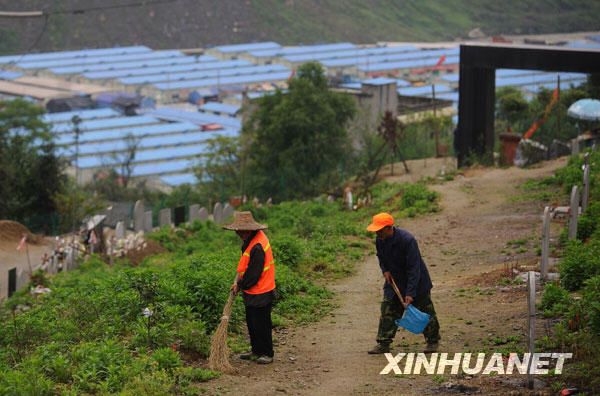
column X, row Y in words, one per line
column 138, row 216
column 120, row 230
column 218, row 213
column 194, row 213
column 164, row 217
column 148, row 221
column 227, row 212
column 203, row 214
column 573, row 212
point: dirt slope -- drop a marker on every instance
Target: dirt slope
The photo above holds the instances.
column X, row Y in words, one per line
column 459, row 244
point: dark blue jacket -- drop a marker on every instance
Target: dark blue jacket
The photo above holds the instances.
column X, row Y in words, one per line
column 400, row 255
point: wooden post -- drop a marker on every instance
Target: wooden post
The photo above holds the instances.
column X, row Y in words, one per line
column 585, row 193
column 545, row 244
column 531, row 316
column 573, row 212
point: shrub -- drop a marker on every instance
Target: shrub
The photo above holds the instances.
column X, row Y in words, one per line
column 167, row 359
column 555, row 300
column 580, row 262
column 587, row 223
column 591, row 304
column 288, row 251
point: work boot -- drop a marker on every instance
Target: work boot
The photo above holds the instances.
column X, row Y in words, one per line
column 379, row 349
column 264, row 360
column 247, row 356
column 431, row 347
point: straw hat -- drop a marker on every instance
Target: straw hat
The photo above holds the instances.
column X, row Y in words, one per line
column 244, row 221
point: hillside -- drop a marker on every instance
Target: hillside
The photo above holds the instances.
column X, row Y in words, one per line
column 198, row 23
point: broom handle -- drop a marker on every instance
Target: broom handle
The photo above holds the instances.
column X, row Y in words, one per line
column 397, row 291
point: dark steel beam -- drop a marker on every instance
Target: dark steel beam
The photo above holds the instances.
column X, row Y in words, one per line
column 477, row 85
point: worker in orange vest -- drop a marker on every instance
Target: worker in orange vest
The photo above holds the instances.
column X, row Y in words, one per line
column 256, row 279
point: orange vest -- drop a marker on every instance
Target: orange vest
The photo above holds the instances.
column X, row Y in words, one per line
column 266, row 282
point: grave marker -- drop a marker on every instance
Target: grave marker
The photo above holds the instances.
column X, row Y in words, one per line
column 148, row 221
column 164, row 217
column 203, row 214
column 573, row 212
column 218, row 213
column 120, row 230
column 194, row 213
column 227, row 212
column 138, row 216
column 585, row 193
column 574, row 147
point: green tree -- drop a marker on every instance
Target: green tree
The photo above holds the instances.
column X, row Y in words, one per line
column 219, row 169
column 30, row 170
column 297, row 140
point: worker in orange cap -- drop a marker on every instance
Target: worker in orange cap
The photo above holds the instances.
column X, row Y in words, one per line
column 400, row 260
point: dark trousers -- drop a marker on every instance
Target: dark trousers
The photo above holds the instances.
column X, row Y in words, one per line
column 393, row 309
column 259, row 327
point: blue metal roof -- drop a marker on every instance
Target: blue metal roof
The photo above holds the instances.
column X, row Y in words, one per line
column 247, row 47
column 407, row 64
column 121, row 133
column 99, row 60
column 583, row 45
column 220, row 108
column 171, row 114
column 176, row 180
column 351, row 85
column 379, row 81
column 170, row 153
column 538, row 79
column 178, row 60
column 144, row 143
column 594, row 38
column 254, row 95
column 67, row 116
column 424, row 90
column 74, row 54
column 9, row 75
column 105, row 123
column 395, row 57
column 535, row 88
column 453, row 96
column 355, row 53
column 233, row 71
column 216, row 82
column 302, row 49
column 160, row 168
column 167, row 68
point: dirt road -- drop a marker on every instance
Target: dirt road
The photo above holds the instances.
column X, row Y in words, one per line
column 465, row 248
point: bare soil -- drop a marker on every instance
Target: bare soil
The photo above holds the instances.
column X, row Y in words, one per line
column 465, row 247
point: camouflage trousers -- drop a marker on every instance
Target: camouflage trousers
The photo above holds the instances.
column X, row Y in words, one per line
column 393, row 309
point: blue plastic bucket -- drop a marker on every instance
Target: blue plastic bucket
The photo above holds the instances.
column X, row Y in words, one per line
column 413, row 320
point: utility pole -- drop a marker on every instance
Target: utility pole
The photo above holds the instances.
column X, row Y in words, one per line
column 76, row 121
column 435, row 128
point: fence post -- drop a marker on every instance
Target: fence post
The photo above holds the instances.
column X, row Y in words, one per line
column 531, row 317
column 585, row 193
column 573, row 212
column 545, row 244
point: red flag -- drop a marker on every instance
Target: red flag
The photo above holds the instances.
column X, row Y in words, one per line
column 442, row 60
column 292, row 74
column 22, row 243
column 93, row 239
column 553, row 100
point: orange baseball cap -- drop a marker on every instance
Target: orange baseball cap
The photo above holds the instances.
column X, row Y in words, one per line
column 379, row 221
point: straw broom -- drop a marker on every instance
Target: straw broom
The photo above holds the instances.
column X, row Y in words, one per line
column 219, row 352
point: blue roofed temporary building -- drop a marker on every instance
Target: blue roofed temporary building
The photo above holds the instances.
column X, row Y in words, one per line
column 232, row 51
